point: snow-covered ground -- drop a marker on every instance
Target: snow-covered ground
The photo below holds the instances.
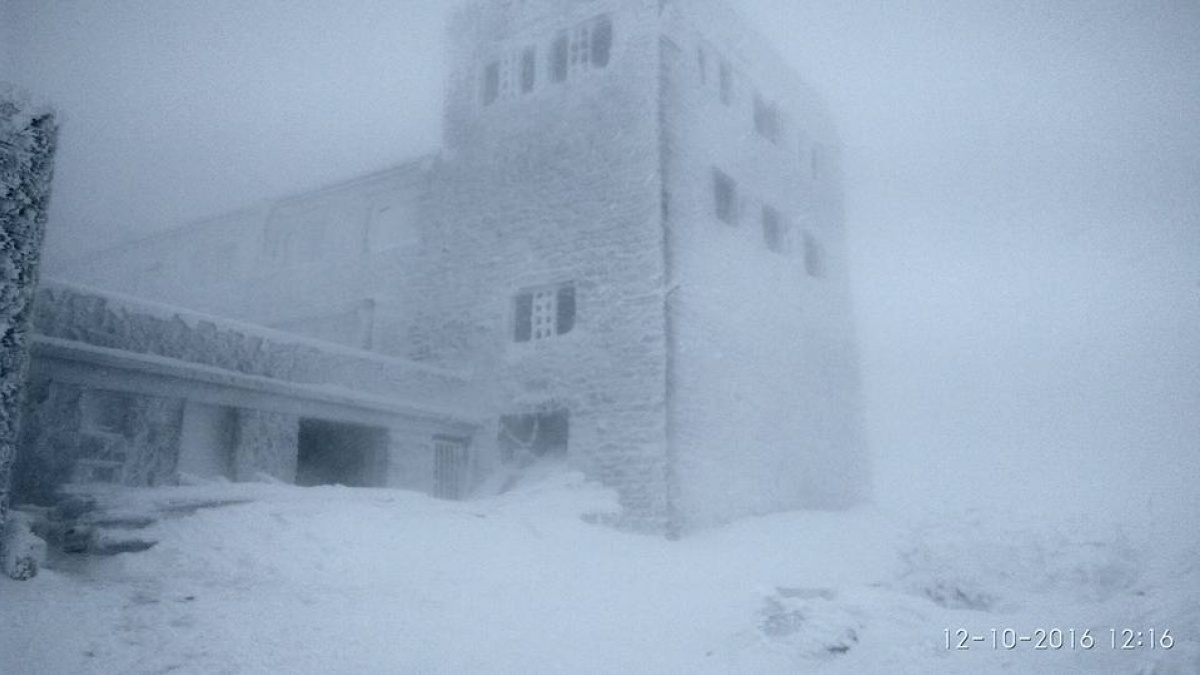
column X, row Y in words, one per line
column 337, row 580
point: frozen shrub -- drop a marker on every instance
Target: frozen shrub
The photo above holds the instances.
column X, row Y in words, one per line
column 27, row 141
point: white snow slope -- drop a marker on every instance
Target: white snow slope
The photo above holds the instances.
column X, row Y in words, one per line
column 337, row 580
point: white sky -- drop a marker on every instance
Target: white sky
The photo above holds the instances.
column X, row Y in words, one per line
column 1022, row 191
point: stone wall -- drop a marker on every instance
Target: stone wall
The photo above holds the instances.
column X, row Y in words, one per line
column 108, row 320
column 139, row 448
column 27, row 144
column 558, row 185
column 266, row 444
column 765, row 408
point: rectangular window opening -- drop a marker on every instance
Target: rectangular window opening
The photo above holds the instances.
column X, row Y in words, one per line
column 725, row 197
column 725, row 76
column 544, row 313
column 528, row 70
column 766, row 119
column 774, row 230
column 814, row 257
column 560, row 55
column 491, row 83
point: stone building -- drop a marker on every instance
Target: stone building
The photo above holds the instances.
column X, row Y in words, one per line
column 631, row 246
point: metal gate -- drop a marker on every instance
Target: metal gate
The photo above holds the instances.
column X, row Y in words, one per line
column 449, row 467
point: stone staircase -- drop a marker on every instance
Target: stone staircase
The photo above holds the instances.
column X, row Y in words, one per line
column 88, row 523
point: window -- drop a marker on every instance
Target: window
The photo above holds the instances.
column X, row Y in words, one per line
column 528, row 70
column 602, row 37
column 544, row 313
column 774, row 230
column 491, row 83
column 725, row 197
column 559, row 57
column 766, row 119
column 726, row 81
column 584, row 47
column 534, row 435
column 702, row 61
column 814, row 257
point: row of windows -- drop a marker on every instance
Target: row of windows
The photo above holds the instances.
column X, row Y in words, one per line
column 769, row 121
column 776, row 231
column 585, row 47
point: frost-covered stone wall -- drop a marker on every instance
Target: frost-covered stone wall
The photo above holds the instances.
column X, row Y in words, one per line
column 266, row 444
column 115, row 377
column 70, row 312
column 557, row 185
column 764, row 386
column 27, row 144
column 59, row 445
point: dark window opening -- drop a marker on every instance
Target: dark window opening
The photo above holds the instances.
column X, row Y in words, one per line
column 543, row 313
column 602, row 39
column 560, row 54
column 766, row 119
column 774, row 233
column 491, row 83
column 726, row 82
column 814, row 257
column 333, row 453
column 725, row 197
column 524, row 438
column 528, row 70
column 702, row 61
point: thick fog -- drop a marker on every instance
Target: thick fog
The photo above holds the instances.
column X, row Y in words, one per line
column 1021, row 185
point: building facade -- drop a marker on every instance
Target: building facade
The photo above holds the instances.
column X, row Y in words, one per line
column 632, row 240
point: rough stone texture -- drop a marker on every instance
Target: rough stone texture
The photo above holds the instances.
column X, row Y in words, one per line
column 764, row 387
column 266, row 445
column 54, row 440
column 27, row 144
column 706, row 376
column 558, row 185
column 106, row 320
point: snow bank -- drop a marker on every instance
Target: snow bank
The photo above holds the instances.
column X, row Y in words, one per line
column 274, row 578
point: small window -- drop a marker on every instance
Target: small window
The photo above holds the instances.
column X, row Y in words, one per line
column 544, row 313
column 560, row 55
column 726, row 82
column 602, row 39
column 702, row 62
column 766, row 119
column 491, row 83
column 814, row 257
column 528, row 70
column 725, row 197
column 774, row 231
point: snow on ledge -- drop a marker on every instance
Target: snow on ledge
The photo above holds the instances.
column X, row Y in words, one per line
column 192, row 318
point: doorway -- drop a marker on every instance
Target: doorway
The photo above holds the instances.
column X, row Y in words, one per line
column 336, row 453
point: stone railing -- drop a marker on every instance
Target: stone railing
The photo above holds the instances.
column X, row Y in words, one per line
column 102, row 319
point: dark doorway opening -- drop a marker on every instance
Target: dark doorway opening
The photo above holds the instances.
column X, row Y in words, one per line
column 333, row 453
column 537, row 435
